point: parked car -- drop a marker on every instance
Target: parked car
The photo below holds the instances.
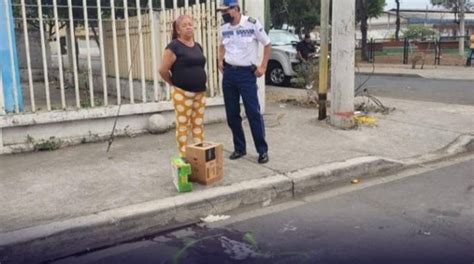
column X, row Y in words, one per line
column 283, row 59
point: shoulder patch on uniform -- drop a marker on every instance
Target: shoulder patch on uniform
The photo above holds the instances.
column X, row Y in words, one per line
column 252, row 20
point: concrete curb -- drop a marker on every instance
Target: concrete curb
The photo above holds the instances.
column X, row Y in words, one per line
column 46, row 242
column 413, row 75
column 106, row 228
column 409, row 75
column 461, row 145
column 312, row 179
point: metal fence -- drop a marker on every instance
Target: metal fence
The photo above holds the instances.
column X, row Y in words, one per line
column 436, row 51
column 77, row 54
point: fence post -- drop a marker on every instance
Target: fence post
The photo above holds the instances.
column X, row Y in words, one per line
column 436, row 61
column 405, row 51
column 440, row 52
column 28, row 57
column 372, row 51
column 369, row 51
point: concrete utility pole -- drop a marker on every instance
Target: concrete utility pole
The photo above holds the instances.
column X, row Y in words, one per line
column 342, row 64
column 323, row 59
column 462, row 31
column 268, row 16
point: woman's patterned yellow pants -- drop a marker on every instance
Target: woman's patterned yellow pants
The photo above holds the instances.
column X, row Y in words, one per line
column 189, row 109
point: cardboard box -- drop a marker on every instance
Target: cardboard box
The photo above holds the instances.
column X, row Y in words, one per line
column 180, row 172
column 207, row 163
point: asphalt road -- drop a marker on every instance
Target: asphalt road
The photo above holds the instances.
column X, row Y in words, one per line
column 420, row 216
column 421, row 89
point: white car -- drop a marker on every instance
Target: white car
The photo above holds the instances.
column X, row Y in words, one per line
column 283, row 58
column 284, row 61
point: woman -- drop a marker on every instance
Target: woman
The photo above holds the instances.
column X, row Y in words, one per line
column 183, row 68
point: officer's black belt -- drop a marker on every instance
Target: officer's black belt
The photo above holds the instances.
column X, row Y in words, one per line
column 251, row 67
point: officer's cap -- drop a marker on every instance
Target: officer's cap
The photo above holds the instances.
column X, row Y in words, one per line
column 226, row 4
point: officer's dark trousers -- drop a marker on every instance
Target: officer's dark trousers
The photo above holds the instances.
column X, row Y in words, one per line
column 242, row 82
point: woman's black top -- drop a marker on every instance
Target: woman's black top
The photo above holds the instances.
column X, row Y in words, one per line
column 188, row 70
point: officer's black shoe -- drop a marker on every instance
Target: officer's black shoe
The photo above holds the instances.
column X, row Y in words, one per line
column 263, row 158
column 237, row 155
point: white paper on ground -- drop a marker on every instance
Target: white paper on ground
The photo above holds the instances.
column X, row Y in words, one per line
column 215, row 218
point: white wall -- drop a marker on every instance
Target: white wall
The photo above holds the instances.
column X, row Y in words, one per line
column 14, row 139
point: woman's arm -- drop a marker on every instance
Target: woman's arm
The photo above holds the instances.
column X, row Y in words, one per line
column 220, row 56
column 168, row 60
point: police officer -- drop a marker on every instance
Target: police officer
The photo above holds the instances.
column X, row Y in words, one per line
column 239, row 38
column 305, row 48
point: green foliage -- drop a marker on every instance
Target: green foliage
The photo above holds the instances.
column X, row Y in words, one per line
column 369, row 9
column 366, row 9
column 454, row 5
column 375, row 8
column 419, row 32
column 305, row 14
column 51, row 144
column 302, row 14
column 86, row 103
column 250, row 238
column 47, row 10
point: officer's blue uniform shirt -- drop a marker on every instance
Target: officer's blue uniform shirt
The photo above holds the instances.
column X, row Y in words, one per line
column 241, row 41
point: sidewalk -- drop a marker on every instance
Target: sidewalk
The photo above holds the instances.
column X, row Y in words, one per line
column 429, row 71
column 81, row 197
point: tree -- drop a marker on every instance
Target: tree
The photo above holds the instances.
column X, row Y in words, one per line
column 366, row 9
column 397, row 31
column 305, row 14
column 455, row 6
column 458, row 7
column 302, row 14
column 267, row 15
column 279, row 13
column 32, row 14
column 77, row 10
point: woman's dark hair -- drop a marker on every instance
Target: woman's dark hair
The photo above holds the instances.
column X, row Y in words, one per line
column 174, row 35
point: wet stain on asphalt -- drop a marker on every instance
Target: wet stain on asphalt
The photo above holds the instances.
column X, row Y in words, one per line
column 198, row 245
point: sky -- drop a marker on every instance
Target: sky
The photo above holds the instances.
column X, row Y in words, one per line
column 406, row 4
